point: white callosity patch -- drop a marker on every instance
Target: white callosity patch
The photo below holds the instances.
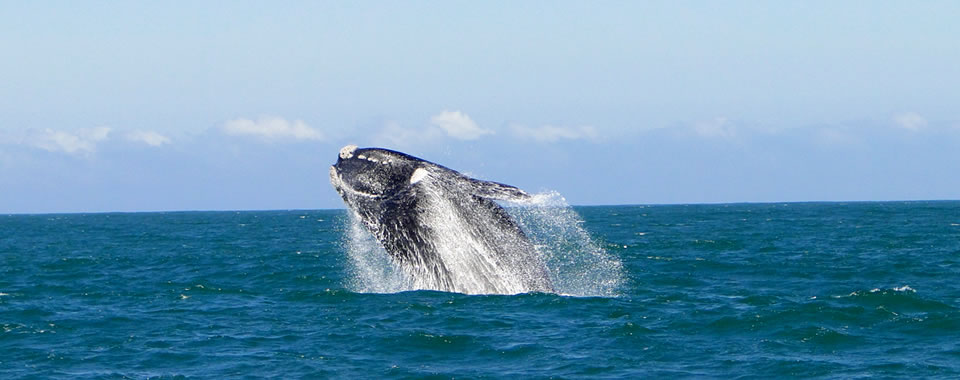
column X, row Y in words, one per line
column 347, row 151
column 418, row 175
column 382, row 159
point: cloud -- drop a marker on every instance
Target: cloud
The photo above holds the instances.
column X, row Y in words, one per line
column 81, row 142
column 550, row 133
column 910, row 121
column 148, row 137
column 838, row 136
column 718, row 127
column 458, row 125
column 395, row 135
column 272, row 129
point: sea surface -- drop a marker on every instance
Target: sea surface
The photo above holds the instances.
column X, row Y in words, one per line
column 829, row 290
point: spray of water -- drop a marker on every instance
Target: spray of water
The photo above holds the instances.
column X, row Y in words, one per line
column 576, row 265
column 371, row 269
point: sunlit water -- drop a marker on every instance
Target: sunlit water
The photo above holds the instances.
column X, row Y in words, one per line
column 763, row 290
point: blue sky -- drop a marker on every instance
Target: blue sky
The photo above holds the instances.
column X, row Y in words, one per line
column 137, row 106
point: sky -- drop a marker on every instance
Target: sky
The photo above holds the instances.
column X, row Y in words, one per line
column 236, row 105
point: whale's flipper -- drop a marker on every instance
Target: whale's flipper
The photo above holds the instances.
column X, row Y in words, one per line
column 498, row 191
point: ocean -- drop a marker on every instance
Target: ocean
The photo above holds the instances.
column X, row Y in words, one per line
column 829, row 290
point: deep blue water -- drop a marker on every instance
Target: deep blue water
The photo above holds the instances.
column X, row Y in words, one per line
column 746, row 290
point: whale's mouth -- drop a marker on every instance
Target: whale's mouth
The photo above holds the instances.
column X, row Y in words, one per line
column 336, row 179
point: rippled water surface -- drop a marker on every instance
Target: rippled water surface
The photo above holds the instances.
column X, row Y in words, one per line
column 756, row 290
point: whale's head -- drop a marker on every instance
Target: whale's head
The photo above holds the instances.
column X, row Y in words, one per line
column 373, row 173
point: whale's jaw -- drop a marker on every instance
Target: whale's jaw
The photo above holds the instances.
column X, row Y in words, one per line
column 344, row 189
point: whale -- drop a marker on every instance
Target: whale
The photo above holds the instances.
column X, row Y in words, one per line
column 445, row 230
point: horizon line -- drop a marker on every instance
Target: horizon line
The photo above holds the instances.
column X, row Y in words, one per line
column 583, row 205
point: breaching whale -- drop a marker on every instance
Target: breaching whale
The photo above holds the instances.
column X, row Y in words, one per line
column 444, row 229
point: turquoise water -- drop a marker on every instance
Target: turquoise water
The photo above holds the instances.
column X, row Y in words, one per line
column 754, row 290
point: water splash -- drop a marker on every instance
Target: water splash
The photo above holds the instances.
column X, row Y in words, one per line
column 577, row 266
column 370, row 266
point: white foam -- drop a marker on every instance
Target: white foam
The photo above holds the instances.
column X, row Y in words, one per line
column 905, row 288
